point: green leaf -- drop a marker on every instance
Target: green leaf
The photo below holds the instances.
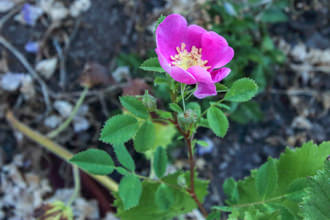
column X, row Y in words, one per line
column 202, row 143
column 175, row 107
column 124, row 157
column 242, row 90
column 135, row 106
column 94, row 161
column 274, row 15
column 149, row 210
column 119, row 129
column 164, row 114
column 220, row 105
column 164, row 197
column 160, row 162
column 123, row 171
column 293, row 167
column 152, row 64
column 246, row 112
column 317, row 201
column 214, row 215
column 130, row 191
column 217, row 121
column 266, row 179
column 145, row 137
column 231, row 190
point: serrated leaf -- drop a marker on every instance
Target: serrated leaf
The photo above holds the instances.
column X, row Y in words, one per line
column 175, row 107
column 145, row 137
column 214, row 215
column 217, row 121
column 242, row 90
column 316, row 203
column 160, row 162
column 152, row 64
column 135, row 106
column 130, row 191
column 124, row 157
column 94, row 161
column 119, row 129
column 230, row 189
column 147, row 208
column 266, row 179
column 164, row 197
column 292, row 166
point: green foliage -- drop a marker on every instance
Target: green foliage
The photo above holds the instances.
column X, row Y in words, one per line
column 266, row 179
column 119, row 129
column 231, row 190
column 145, row 137
column 217, row 121
column 124, row 157
column 175, row 107
column 160, row 20
column 152, row 64
column 94, row 161
column 246, row 112
column 160, row 162
column 135, row 106
column 164, row 197
column 255, row 54
column 316, row 202
column 130, row 190
column 242, row 90
column 149, row 210
column 275, row 190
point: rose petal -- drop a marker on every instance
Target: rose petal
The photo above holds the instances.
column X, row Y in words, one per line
column 205, row 84
column 170, row 34
column 220, row 74
column 215, row 50
column 182, row 76
column 193, row 36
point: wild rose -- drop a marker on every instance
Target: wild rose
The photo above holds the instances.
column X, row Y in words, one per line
column 192, row 55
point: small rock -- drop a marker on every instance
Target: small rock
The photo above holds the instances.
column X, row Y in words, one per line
column 6, row 5
column 121, row 73
column 52, row 121
column 63, row 107
column 47, row 67
column 27, row 88
column 58, row 11
column 302, row 123
column 79, row 6
column 80, row 124
column 11, row 81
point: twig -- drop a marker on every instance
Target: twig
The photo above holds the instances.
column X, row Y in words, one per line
column 6, row 17
column 53, row 147
column 66, row 123
column 29, row 68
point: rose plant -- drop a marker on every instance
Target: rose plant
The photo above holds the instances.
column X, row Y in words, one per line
column 191, row 62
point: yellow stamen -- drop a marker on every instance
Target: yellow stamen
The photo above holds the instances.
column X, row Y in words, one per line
column 185, row 59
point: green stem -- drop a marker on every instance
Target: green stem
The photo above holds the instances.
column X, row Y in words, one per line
column 183, row 87
column 67, row 122
column 260, row 202
column 76, row 191
column 53, row 147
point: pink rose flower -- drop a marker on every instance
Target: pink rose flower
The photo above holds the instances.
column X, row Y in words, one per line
column 192, row 55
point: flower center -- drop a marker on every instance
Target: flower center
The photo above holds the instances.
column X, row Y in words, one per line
column 185, row 59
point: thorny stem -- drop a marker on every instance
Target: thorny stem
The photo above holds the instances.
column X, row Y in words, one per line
column 67, row 122
column 53, row 147
column 76, row 178
column 187, row 137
